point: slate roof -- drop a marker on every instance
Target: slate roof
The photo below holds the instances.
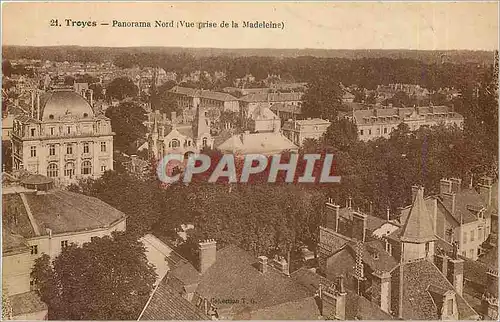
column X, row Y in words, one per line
column 272, row 97
column 418, row 304
column 64, row 211
column 263, row 143
column 193, row 92
column 15, row 220
column 418, row 227
column 167, row 304
column 281, row 107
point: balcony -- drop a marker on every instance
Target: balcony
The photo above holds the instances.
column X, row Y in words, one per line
column 87, row 155
column 53, row 157
column 71, row 156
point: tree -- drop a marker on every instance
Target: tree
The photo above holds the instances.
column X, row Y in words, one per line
column 341, row 134
column 323, row 98
column 121, row 88
column 163, row 100
column 127, row 121
column 69, row 80
column 108, row 278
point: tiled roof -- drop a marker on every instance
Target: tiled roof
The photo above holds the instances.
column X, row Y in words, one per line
column 64, row 211
column 167, row 304
column 490, row 259
column 357, row 307
column 418, row 226
column 234, row 276
column 467, row 204
column 375, row 256
column 26, row 303
column 272, row 97
column 303, row 309
column 417, row 301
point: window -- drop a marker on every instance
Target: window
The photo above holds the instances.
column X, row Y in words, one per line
column 33, row 151
column 51, row 116
column 472, row 235
column 385, row 130
column 388, row 247
column 426, row 249
column 52, row 170
column 69, row 149
column 370, row 132
column 69, row 170
column 465, row 237
column 85, row 147
column 64, row 244
column 86, row 167
column 103, row 168
column 463, row 254
column 478, row 251
column 449, row 307
column 174, row 143
column 32, row 132
column 204, row 142
column 68, row 129
column 52, row 149
column 85, row 114
column 34, row 249
column 52, row 131
column 103, row 146
column 361, row 132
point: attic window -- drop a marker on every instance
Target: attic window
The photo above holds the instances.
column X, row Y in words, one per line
column 85, row 114
column 51, row 116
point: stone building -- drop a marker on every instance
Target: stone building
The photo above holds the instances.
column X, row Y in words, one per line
column 378, row 122
column 299, row 130
column 38, row 219
column 62, row 138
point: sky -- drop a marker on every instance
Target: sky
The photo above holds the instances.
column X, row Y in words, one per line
column 324, row 25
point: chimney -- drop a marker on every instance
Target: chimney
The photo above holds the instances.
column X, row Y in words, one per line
column 350, row 202
column 382, row 290
column 414, row 190
column 456, row 185
column 485, row 189
column 444, row 186
column 388, row 214
column 173, row 117
column 332, row 219
column 456, row 274
column 281, row 265
column 340, row 299
column 207, row 253
column 263, row 264
column 32, row 102
column 358, row 226
column 449, row 201
column 359, row 269
column 441, row 262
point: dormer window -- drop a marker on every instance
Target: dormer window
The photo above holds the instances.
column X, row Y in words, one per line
column 449, row 307
column 32, row 132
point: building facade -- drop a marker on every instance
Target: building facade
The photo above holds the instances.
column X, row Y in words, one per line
column 62, row 138
column 299, row 130
column 36, row 220
column 376, row 123
column 250, row 102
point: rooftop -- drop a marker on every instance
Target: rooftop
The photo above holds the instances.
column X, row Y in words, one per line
column 272, row 97
column 262, row 143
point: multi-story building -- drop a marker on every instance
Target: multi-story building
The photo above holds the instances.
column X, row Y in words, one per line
column 36, row 220
column 188, row 99
column 376, row 123
column 299, row 130
column 250, row 102
column 395, row 263
column 169, row 137
column 264, row 120
column 464, row 215
column 62, row 138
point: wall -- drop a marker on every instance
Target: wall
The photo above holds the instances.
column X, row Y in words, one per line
column 16, row 270
column 417, row 251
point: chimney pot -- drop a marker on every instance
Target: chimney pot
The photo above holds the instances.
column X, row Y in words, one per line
column 207, row 254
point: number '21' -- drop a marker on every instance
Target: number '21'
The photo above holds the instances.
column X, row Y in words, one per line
column 54, row 23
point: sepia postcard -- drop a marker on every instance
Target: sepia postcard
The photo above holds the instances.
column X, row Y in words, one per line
column 250, row 160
